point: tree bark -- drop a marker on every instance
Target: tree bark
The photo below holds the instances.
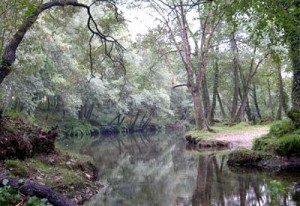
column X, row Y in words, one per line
column 201, row 122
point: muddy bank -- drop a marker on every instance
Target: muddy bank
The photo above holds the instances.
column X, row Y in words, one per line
column 250, row 158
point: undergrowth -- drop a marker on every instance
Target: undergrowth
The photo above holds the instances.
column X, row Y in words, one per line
column 283, row 140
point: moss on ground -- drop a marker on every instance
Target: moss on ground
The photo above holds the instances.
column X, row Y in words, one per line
column 245, row 157
column 198, row 134
column 17, row 168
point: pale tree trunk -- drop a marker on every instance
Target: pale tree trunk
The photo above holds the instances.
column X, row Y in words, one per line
column 200, row 120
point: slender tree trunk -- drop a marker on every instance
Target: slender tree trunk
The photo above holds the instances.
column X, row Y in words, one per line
column 206, row 99
column 221, row 106
column 152, row 111
column 215, row 88
column 90, row 111
column 240, row 113
column 131, row 128
column 246, row 87
column 256, row 102
column 280, row 93
column 270, row 99
column 236, row 68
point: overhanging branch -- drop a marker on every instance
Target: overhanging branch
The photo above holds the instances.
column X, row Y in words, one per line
column 9, row 54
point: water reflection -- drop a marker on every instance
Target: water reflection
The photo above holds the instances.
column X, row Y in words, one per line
column 158, row 170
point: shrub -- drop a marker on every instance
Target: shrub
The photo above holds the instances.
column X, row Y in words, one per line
column 281, row 128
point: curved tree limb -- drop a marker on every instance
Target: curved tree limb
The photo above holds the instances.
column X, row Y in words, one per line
column 9, row 54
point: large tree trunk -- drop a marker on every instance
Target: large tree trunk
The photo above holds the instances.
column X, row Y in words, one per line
column 200, row 120
column 293, row 33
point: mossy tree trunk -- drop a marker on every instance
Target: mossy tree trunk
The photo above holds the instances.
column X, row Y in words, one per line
column 293, row 36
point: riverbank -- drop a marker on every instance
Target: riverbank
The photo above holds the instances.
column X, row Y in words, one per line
column 28, row 154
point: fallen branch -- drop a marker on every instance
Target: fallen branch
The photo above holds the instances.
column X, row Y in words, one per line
column 30, row 188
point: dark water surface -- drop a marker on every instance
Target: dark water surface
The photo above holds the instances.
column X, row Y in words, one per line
column 158, row 170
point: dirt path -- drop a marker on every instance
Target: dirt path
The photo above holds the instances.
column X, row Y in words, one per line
column 241, row 139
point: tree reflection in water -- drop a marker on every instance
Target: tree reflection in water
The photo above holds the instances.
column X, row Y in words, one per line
column 219, row 185
column 160, row 171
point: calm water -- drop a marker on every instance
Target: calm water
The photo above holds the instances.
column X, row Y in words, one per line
column 159, row 170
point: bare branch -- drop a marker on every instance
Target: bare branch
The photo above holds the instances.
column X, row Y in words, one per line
column 179, row 85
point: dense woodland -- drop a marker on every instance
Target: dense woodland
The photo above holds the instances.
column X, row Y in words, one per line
column 200, row 62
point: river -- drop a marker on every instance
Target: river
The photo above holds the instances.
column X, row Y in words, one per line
column 159, row 170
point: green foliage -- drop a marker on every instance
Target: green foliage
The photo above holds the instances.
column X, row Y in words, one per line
column 282, row 127
column 17, row 168
column 35, row 201
column 15, row 114
column 8, row 195
column 75, row 127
